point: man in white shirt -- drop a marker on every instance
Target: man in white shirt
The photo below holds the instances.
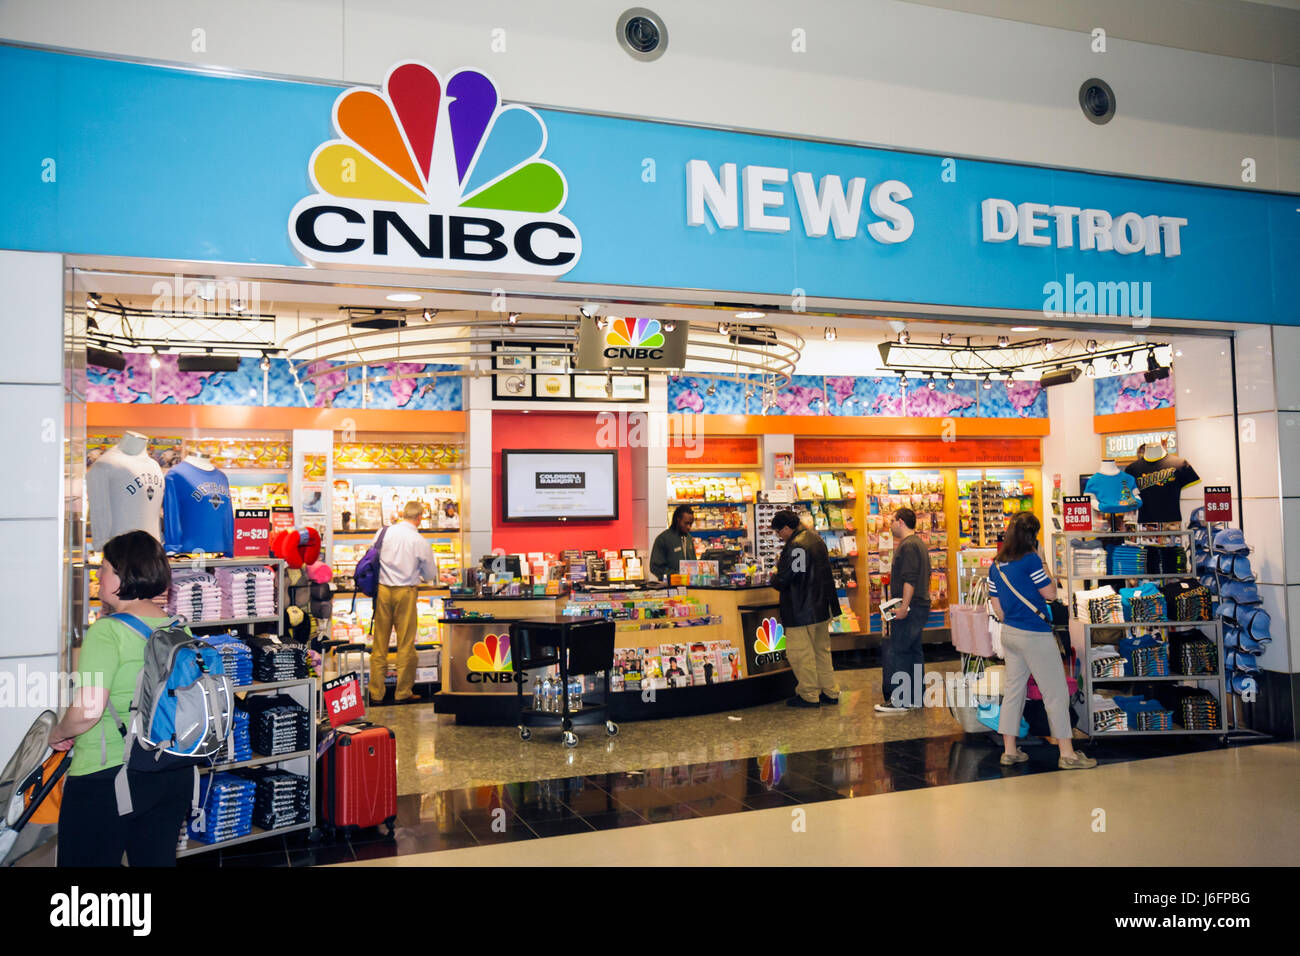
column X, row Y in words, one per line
column 405, row 560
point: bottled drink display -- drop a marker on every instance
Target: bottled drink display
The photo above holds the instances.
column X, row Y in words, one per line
column 537, row 693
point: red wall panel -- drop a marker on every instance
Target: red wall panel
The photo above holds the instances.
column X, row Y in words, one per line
column 558, row 431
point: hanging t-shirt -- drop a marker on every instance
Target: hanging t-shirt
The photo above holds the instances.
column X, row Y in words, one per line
column 197, row 513
column 1161, row 483
column 124, row 493
column 1115, row 493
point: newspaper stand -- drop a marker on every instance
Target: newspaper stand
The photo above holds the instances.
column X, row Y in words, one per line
column 579, row 646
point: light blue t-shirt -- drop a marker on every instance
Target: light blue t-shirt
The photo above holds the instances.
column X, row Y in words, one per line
column 1114, row 493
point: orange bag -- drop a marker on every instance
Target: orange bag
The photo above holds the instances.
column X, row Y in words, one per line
column 48, row 780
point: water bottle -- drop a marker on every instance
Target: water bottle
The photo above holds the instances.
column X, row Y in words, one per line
column 575, row 693
column 537, row 693
column 546, row 695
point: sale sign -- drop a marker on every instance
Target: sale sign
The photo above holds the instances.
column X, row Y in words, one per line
column 281, row 517
column 1077, row 511
column 342, row 697
column 252, row 532
column 1218, row 504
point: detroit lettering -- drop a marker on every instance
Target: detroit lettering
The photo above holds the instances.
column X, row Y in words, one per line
column 209, row 489
column 1155, row 479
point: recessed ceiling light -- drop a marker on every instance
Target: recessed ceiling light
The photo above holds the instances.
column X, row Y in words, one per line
column 1024, row 328
column 403, row 297
column 750, row 315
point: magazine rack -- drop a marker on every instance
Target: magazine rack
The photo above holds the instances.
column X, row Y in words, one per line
column 579, row 647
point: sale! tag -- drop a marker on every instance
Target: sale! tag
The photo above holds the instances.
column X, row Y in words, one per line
column 342, row 697
column 1077, row 511
column 1218, row 504
column 252, row 532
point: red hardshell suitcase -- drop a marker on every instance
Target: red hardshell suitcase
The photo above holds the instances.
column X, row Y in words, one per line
column 360, row 779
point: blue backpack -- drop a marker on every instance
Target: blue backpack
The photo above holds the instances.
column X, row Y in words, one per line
column 367, row 572
column 183, row 708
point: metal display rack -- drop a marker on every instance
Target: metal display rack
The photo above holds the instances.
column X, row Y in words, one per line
column 1088, row 682
column 303, row 691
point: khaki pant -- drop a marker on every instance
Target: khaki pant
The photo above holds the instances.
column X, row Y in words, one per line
column 394, row 608
column 809, row 652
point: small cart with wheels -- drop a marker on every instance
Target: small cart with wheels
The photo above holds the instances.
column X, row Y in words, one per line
column 580, row 647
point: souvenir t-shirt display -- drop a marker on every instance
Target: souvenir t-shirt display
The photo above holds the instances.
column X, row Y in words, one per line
column 1160, row 484
column 1115, row 493
column 197, row 513
column 124, row 493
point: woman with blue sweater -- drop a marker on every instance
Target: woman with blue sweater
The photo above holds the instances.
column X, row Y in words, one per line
column 1019, row 589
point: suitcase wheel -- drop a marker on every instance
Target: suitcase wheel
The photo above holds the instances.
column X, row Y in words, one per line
column 570, row 739
column 525, row 733
column 391, row 824
column 611, row 728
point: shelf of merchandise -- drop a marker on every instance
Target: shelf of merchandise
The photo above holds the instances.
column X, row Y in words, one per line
column 1088, row 681
column 400, row 479
column 749, row 476
column 256, row 834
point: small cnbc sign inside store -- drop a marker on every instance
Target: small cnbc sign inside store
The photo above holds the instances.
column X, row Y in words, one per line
column 435, row 177
column 631, row 343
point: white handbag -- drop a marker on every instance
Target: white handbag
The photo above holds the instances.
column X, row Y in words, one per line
column 995, row 626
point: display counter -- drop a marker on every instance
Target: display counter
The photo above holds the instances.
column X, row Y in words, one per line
column 678, row 652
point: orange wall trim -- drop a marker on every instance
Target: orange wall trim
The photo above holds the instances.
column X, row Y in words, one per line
column 870, row 427
column 855, row 451
column 111, row 415
column 1133, row 421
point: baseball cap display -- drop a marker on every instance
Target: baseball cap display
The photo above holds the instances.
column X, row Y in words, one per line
column 1239, row 661
column 1230, row 539
column 1242, row 592
column 1198, row 518
column 1257, row 623
column 1244, row 684
column 1236, row 566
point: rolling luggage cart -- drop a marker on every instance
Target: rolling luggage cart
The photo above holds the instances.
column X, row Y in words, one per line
column 579, row 647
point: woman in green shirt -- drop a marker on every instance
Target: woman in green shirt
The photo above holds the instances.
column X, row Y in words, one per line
column 133, row 579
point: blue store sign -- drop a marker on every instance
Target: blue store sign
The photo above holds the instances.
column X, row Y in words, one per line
column 113, row 158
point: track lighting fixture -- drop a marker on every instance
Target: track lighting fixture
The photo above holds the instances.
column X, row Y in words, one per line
column 513, row 318
column 952, row 383
column 904, row 337
column 1003, row 341
column 265, row 363
column 946, row 338
column 92, row 302
column 722, row 328
column 1090, row 370
column 670, row 326
column 237, row 305
column 830, row 334
column 712, row 389
column 1092, row 345
column 930, row 384
column 154, row 361
column 609, row 384
column 1114, row 365
column 600, row 323
column 428, row 314
column 988, row 381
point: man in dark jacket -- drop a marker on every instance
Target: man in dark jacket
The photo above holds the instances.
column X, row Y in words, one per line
column 674, row 544
column 808, row 602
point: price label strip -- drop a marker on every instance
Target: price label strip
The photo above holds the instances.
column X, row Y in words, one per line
column 342, row 697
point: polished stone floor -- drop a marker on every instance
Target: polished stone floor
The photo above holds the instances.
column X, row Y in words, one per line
column 462, row 788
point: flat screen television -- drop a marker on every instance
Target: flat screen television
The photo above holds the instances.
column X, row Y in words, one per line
column 544, row 485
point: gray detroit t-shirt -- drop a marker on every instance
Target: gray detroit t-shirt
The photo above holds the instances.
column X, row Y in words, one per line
column 125, row 493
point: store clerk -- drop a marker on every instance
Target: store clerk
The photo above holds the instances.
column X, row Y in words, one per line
column 674, row 544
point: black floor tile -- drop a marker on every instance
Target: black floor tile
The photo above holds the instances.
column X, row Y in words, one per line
column 560, row 826
column 615, row 819
column 409, row 807
column 769, row 799
column 509, row 829
column 257, row 859
column 200, row 860
column 715, row 806
column 666, row 813
column 323, row 855
column 262, row 847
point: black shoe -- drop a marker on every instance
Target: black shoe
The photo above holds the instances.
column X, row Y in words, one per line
column 828, row 700
column 797, row 701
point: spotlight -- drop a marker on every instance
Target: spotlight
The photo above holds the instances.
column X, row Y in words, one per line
column 930, row 384
column 904, row 337
column 722, row 328
column 154, row 361
column 1003, row 341
column 952, row 383
column 586, row 311
column 1092, row 345
column 830, row 335
column 902, row 379
column 600, row 323
column 237, row 305
column 609, row 384
column 1059, row 376
column 513, row 318
column 670, row 326
column 1114, row 365
column 1090, row 370
column 428, row 314
column 92, row 302
column 946, row 338
column 712, row 389
column 265, row 363
column 1154, row 370
column 1048, row 347
column 988, row 381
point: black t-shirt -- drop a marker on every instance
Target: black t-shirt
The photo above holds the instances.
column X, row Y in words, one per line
column 911, row 566
column 1161, row 483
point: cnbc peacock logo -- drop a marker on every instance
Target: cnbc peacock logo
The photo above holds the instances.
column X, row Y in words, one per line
column 769, row 641
column 433, row 176
column 634, row 339
column 489, row 661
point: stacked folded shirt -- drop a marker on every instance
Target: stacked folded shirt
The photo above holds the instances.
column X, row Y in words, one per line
column 239, row 746
column 277, row 661
column 1145, row 714
column 278, row 724
column 1089, row 558
column 282, row 799
column 195, row 596
column 1168, row 559
column 1196, row 708
column 1194, row 652
column 1187, row 601
column 247, row 592
column 1128, row 560
column 1106, row 662
column 236, row 657
column 227, row 803
column 1099, row 606
column 1107, row 715
column 1147, row 607
column 1146, row 656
